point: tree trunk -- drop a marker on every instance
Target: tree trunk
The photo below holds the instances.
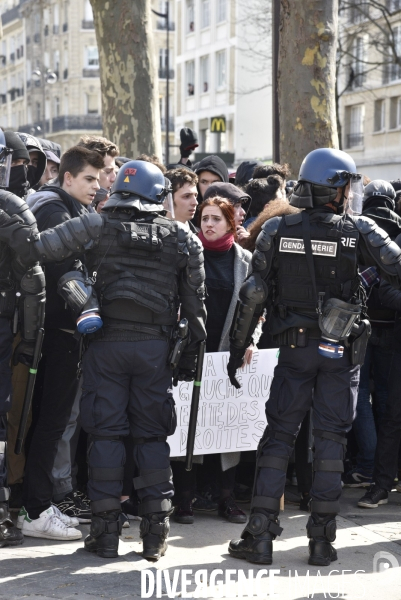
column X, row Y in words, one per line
column 130, row 106
column 306, row 78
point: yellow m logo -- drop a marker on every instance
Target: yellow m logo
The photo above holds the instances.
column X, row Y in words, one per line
column 218, row 125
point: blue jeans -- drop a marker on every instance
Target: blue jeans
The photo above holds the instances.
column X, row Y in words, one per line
column 377, row 360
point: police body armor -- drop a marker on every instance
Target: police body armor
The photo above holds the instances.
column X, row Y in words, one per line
column 334, row 245
column 135, row 270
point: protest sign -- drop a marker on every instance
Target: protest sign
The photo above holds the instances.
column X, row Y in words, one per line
column 229, row 420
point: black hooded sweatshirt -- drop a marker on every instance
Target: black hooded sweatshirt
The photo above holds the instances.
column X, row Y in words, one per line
column 215, row 165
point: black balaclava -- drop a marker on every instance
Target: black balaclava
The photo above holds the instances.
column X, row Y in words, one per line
column 18, row 183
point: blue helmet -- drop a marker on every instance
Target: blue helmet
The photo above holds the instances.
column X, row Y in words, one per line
column 328, row 167
column 322, row 172
column 138, row 180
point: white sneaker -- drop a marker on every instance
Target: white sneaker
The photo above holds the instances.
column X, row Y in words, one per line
column 48, row 526
column 68, row 521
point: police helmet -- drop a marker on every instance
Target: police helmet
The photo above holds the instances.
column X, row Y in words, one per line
column 322, row 171
column 32, row 144
column 6, row 156
column 138, row 180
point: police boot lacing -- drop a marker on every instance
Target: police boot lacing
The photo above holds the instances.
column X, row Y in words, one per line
column 256, row 543
column 154, row 530
column 10, row 535
column 321, row 529
column 103, row 537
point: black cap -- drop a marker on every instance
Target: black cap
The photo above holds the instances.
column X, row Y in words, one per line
column 226, row 190
column 17, row 145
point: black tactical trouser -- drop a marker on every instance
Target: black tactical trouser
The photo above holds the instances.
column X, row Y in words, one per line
column 6, row 342
column 127, row 389
column 303, row 378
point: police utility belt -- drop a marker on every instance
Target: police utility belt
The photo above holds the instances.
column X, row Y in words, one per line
column 297, row 337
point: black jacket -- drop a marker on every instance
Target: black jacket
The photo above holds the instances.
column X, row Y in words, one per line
column 52, row 206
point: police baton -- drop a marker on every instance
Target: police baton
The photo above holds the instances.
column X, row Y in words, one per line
column 29, row 391
column 194, row 407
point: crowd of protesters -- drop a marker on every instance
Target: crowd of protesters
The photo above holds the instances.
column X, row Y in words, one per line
column 227, row 211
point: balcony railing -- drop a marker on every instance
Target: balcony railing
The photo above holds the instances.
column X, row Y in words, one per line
column 354, row 139
column 66, row 123
column 163, row 73
column 170, row 124
column 88, row 24
column 77, row 122
column 161, row 24
column 90, row 73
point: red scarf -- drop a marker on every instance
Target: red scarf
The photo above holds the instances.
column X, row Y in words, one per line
column 221, row 245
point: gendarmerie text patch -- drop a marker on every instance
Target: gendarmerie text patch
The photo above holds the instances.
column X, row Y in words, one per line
column 319, row 248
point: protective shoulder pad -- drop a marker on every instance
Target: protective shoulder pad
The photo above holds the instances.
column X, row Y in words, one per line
column 364, row 224
column 13, row 205
column 189, row 243
column 269, row 231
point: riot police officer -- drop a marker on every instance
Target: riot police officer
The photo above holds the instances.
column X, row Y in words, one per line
column 143, row 268
column 306, row 266
column 22, row 300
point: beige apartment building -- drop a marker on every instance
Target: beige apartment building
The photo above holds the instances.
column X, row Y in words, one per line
column 49, row 78
column 370, row 108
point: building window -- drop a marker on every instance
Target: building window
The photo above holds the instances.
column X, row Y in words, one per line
column 56, row 61
column 190, row 77
column 190, row 16
column 393, row 5
column 205, row 14
column 221, row 69
column 395, row 112
column 204, row 74
column 358, row 11
column 37, row 111
column 379, row 117
column 358, row 63
column 91, row 57
column 56, row 18
column 221, row 11
column 56, row 106
column 392, row 71
column 356, row 117
column 92, row 104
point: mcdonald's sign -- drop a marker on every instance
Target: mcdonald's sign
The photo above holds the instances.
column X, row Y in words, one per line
column 218, row 125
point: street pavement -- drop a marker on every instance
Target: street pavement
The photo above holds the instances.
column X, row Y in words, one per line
column 368, row 541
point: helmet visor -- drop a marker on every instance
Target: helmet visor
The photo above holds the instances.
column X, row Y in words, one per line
column 5, row 166
column 168, row 204
column 354, row 202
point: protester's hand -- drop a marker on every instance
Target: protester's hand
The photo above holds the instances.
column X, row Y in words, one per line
column 23, row 353
column 242, row 233
column 189, row 141
column 248, row 356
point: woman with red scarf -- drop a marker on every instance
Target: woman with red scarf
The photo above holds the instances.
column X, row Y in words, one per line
column 226, row 265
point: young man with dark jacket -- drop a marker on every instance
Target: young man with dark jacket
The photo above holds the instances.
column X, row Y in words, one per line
column 79, row 182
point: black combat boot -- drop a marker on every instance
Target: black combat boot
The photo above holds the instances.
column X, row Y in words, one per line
column 321, row 530
column 10, row 535
column 104, row 532
column 154, row 530
column 256, row 543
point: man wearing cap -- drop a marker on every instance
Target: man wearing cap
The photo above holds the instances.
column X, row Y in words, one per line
column 236, row 197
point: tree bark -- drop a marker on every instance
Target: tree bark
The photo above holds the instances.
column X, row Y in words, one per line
column 306, row 78
column 129, row 85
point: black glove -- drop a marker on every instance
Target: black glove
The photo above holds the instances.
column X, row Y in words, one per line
column 23, row 353
column 236, row 361
column 186, row 369
column 180, row 374
column 189, row 141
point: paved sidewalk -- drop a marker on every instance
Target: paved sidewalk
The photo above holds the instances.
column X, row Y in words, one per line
column 40, row 569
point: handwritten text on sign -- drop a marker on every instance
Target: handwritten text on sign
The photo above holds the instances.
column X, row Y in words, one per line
column 229, row 420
